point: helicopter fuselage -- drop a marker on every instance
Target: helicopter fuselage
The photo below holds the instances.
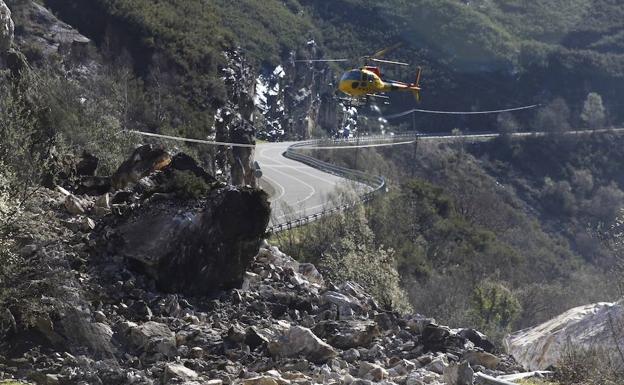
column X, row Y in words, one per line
column 365, row 81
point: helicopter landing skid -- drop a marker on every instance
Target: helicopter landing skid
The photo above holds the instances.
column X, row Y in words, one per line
column 363, row 101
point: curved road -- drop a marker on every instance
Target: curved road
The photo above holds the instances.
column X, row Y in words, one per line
column 299, row 189
column 303, row 190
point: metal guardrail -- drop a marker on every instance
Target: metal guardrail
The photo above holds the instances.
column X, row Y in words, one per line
column 377, row 183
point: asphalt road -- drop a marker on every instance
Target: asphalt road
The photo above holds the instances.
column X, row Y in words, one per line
column 297, row 189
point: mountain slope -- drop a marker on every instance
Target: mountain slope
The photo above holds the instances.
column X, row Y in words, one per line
column 478, row 54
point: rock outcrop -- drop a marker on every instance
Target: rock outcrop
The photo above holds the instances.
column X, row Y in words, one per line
column 195, row 248
column 590, row 326
column 297, row 98
column 43, row 31
column 6, row 28
column 234, row 121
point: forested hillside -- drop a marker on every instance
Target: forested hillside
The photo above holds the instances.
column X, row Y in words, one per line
column 476, row 55
column 164, row 62
column 163, row 65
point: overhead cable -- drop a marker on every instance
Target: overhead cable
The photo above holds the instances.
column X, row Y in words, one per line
column 405, row 113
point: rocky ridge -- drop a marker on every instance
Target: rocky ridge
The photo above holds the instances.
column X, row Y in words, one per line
column 295, row 98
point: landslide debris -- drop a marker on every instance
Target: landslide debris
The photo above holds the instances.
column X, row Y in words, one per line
column 145, row 285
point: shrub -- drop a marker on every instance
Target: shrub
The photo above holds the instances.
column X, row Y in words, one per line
column 189, row 186
column 343, row 248
column 589, row 366
column 494, row 307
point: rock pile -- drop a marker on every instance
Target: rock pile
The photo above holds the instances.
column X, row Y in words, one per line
column 143, row 286
column 284, row 326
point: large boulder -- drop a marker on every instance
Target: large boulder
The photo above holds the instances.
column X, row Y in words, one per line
column 196, row 247
column 587, row 326
column 152, row 340
column 348, row 334
column 459, row 374
column 289, row 341
column 6, row 28
column 177, row 373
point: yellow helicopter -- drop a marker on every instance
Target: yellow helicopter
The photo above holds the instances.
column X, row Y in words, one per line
column 367, row 82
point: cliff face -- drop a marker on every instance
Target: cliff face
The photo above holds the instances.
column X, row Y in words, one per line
column 295, row 99
column 234, row 121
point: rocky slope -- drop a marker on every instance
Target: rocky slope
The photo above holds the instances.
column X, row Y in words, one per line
column 101, row 298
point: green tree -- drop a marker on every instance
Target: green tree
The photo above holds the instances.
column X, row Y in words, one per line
column 554, row 118
column 494, row 306
column 593, row 114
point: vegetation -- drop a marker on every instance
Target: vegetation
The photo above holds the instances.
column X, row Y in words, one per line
column 189, row 186
column 496, row 235
column 590, row 366
column 485, row 53
column 343, row 248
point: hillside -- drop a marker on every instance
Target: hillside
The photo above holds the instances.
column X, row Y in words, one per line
column 126, row 259
column 486, row 54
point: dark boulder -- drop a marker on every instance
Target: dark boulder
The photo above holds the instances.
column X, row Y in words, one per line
column 87, row 164
column 196, row 247
column 347, row 334
column 76, row 174
column 436, row 338
column 93, row 185
column 183, row 162
column 478, row 339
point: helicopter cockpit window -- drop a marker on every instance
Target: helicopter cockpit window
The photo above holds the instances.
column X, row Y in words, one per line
column 351, row 75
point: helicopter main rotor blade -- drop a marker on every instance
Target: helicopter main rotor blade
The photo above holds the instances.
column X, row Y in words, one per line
column 320, row 60
column 389, row 62
column 385, row 51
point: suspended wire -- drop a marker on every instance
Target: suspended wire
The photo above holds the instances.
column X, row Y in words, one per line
column 215, row 143
column 341, row 147
column 209, row 142
column 401, row 114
